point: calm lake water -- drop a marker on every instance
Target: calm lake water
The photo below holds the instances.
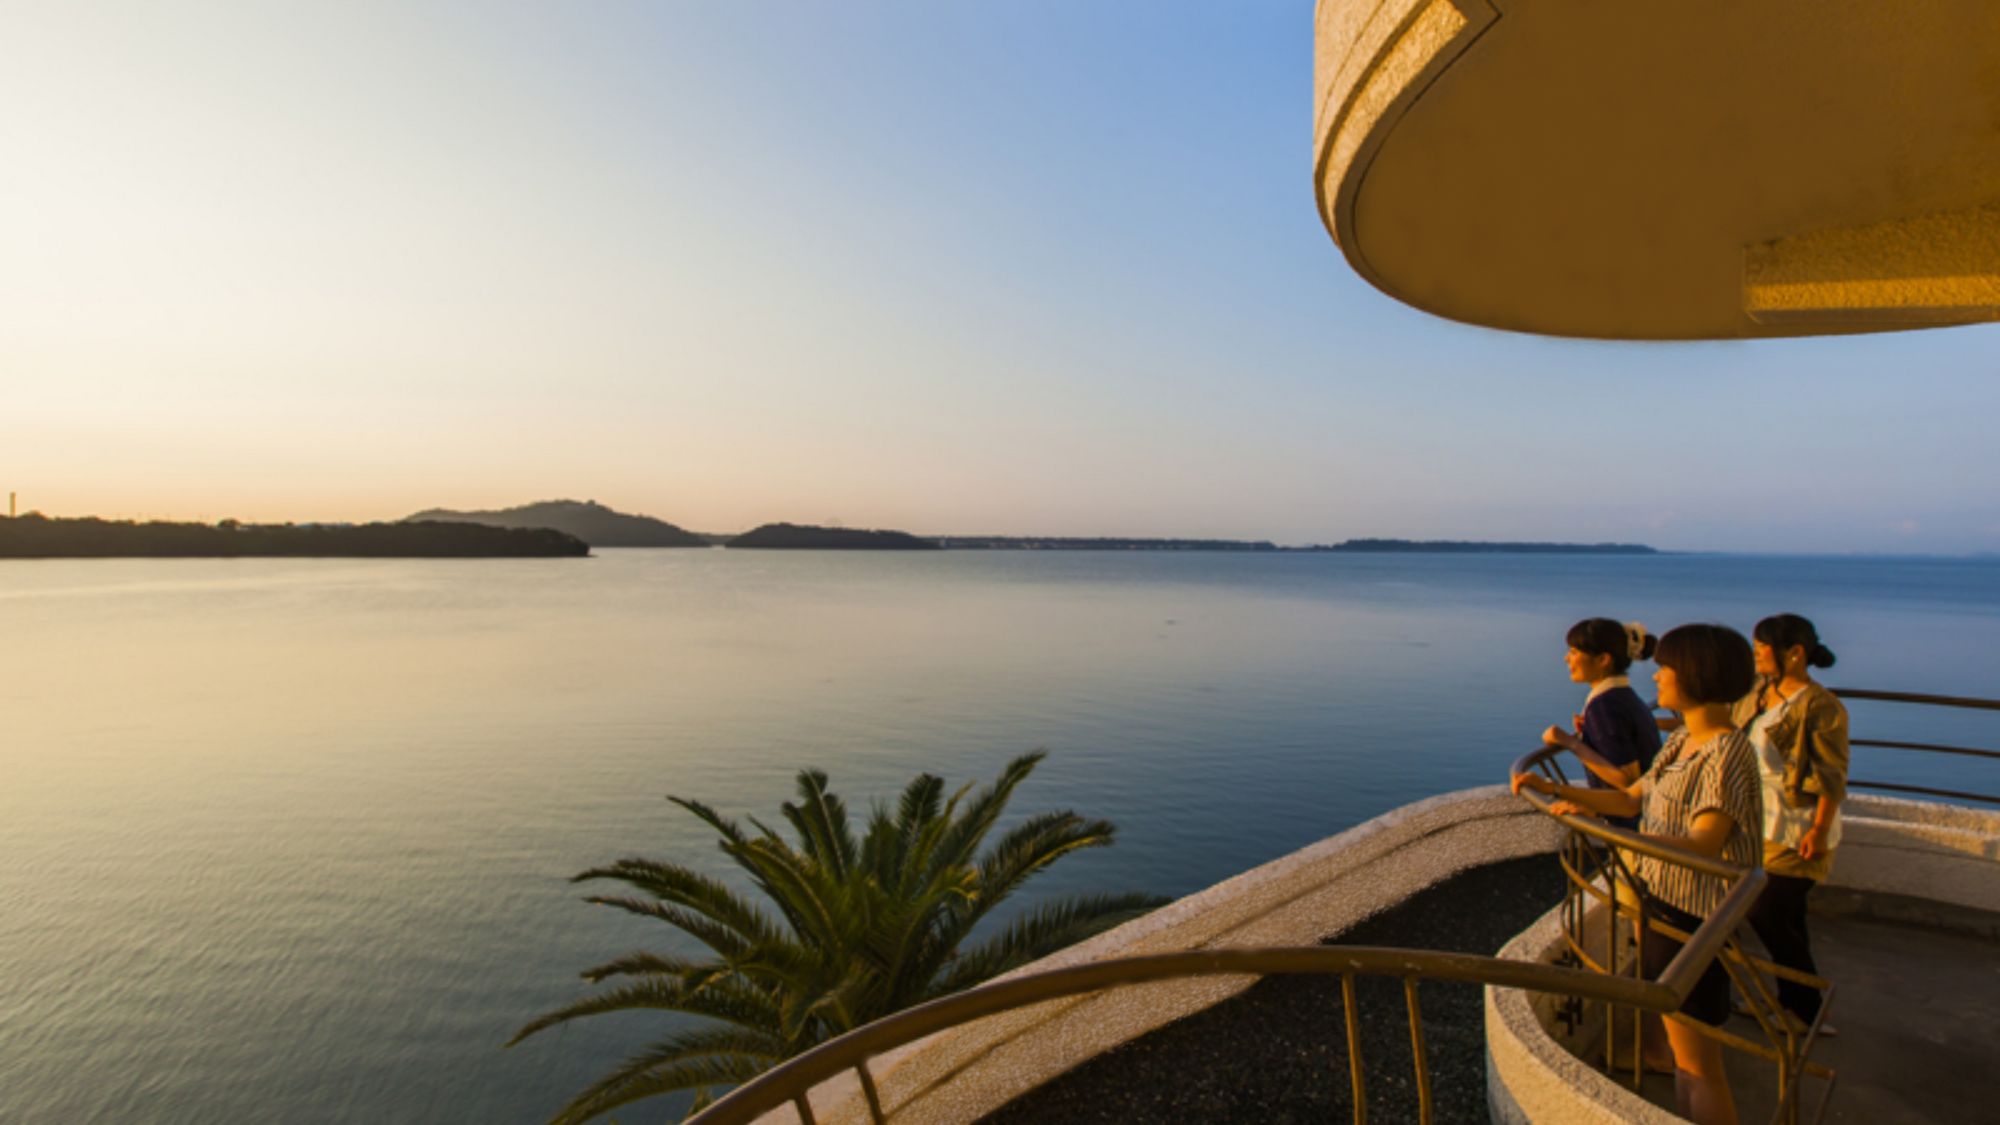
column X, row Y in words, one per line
column 289, row 839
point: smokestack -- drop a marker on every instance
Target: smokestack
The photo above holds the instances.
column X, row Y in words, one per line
column 10, row 505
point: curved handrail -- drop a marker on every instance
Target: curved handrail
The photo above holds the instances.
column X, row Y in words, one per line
column 1918, row 697
column 790, row 1081
column 1964, row 701
column 787, row 1081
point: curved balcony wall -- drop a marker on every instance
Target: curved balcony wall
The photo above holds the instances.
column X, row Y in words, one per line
column 1707, row 169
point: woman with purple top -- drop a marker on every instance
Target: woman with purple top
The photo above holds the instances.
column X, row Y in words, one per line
column 1616, row 735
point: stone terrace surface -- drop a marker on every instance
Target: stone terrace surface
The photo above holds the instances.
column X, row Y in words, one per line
column 1919, row 1016
column 1274, row 1053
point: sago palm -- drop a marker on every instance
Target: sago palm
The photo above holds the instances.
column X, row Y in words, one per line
column 862, row 928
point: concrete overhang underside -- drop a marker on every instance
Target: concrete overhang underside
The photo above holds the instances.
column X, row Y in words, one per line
column 1695, row 169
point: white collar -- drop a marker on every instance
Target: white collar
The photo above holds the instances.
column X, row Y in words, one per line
column 1606, row 684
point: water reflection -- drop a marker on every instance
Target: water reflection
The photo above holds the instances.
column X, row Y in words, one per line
column 288, row 839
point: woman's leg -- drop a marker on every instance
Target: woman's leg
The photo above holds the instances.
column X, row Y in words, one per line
column 1654, row 1051
column 1701, row 1087
column 1779, row 917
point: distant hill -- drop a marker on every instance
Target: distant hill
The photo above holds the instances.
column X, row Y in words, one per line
column 1094, row 543
column 587, row 520
column 1460, row 546
column 798, row 537
column 35, row 536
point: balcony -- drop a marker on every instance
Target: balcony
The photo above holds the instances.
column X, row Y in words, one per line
column 1706, row 169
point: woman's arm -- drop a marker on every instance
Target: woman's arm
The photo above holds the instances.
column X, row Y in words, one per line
column 1604, row 802
column 1825, row 738
column 1814, row 841
column 1709, row 832
column 1620, row 776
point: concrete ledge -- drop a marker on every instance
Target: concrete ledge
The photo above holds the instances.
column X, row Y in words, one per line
column 1532, row 1078
column 1947, row 854
column 963, row 1073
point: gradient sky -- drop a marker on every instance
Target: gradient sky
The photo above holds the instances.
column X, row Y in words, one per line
column 1036, row 267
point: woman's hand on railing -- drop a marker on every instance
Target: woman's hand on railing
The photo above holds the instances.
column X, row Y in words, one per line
column 1533, row 781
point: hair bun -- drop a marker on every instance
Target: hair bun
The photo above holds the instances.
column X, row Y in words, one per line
column 1820, row 656
column 1639, row 644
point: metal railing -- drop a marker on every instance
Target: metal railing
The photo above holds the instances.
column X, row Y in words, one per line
column 1967, row 702
column 1594, row 855
column 1596, row 858
column 792, row 1082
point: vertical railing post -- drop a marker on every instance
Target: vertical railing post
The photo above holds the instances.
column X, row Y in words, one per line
column 1417, row 1051
column 1355, row 1069
column 874, row 1097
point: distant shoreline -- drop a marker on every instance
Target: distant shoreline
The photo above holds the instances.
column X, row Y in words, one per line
column 1359, row 546
column 1481, row 547
column 34, row 536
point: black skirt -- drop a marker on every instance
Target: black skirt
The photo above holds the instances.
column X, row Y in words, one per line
column 1709, row 1000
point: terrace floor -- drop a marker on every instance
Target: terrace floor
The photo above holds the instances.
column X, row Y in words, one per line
column 1919, row 1016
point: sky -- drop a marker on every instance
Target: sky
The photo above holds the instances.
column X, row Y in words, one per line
column 1047, row 267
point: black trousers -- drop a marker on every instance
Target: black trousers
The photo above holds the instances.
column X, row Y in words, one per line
column 1779, row 917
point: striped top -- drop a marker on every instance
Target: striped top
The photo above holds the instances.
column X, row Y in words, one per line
column 1685, row 781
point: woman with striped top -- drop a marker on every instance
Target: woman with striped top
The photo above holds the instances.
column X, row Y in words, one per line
column 1702, row 794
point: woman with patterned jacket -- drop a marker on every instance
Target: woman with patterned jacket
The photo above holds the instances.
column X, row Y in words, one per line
column 1799, row 731
column 1701, row 795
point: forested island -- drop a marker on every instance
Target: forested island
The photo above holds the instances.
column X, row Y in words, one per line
column 789, row 536
column 1094, row 543
column 1474, row 547
column 588, row 520
column 35, row 536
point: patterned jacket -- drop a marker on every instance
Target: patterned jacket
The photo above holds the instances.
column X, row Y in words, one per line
column 1813, row 735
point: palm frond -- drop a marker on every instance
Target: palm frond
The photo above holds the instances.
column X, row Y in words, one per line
column 1051, row 927
column 739, row 1006
column 691, row 1060
column 795, row 885
column 641, row 964
column 971, row 826
column 1033, row 845
column 920, row 801
column 684, row 886
column 722, row 939
column 821, row 820
column 724, row 826
column 881, row 847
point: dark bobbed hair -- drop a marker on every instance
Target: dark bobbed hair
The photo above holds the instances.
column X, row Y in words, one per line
column 1601, row 636
column 1782, row 631
column 1711, row 662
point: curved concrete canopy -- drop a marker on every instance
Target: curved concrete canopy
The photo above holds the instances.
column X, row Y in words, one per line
column 1699, row 169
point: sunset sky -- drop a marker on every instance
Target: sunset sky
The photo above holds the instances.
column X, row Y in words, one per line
column 1036, row 267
